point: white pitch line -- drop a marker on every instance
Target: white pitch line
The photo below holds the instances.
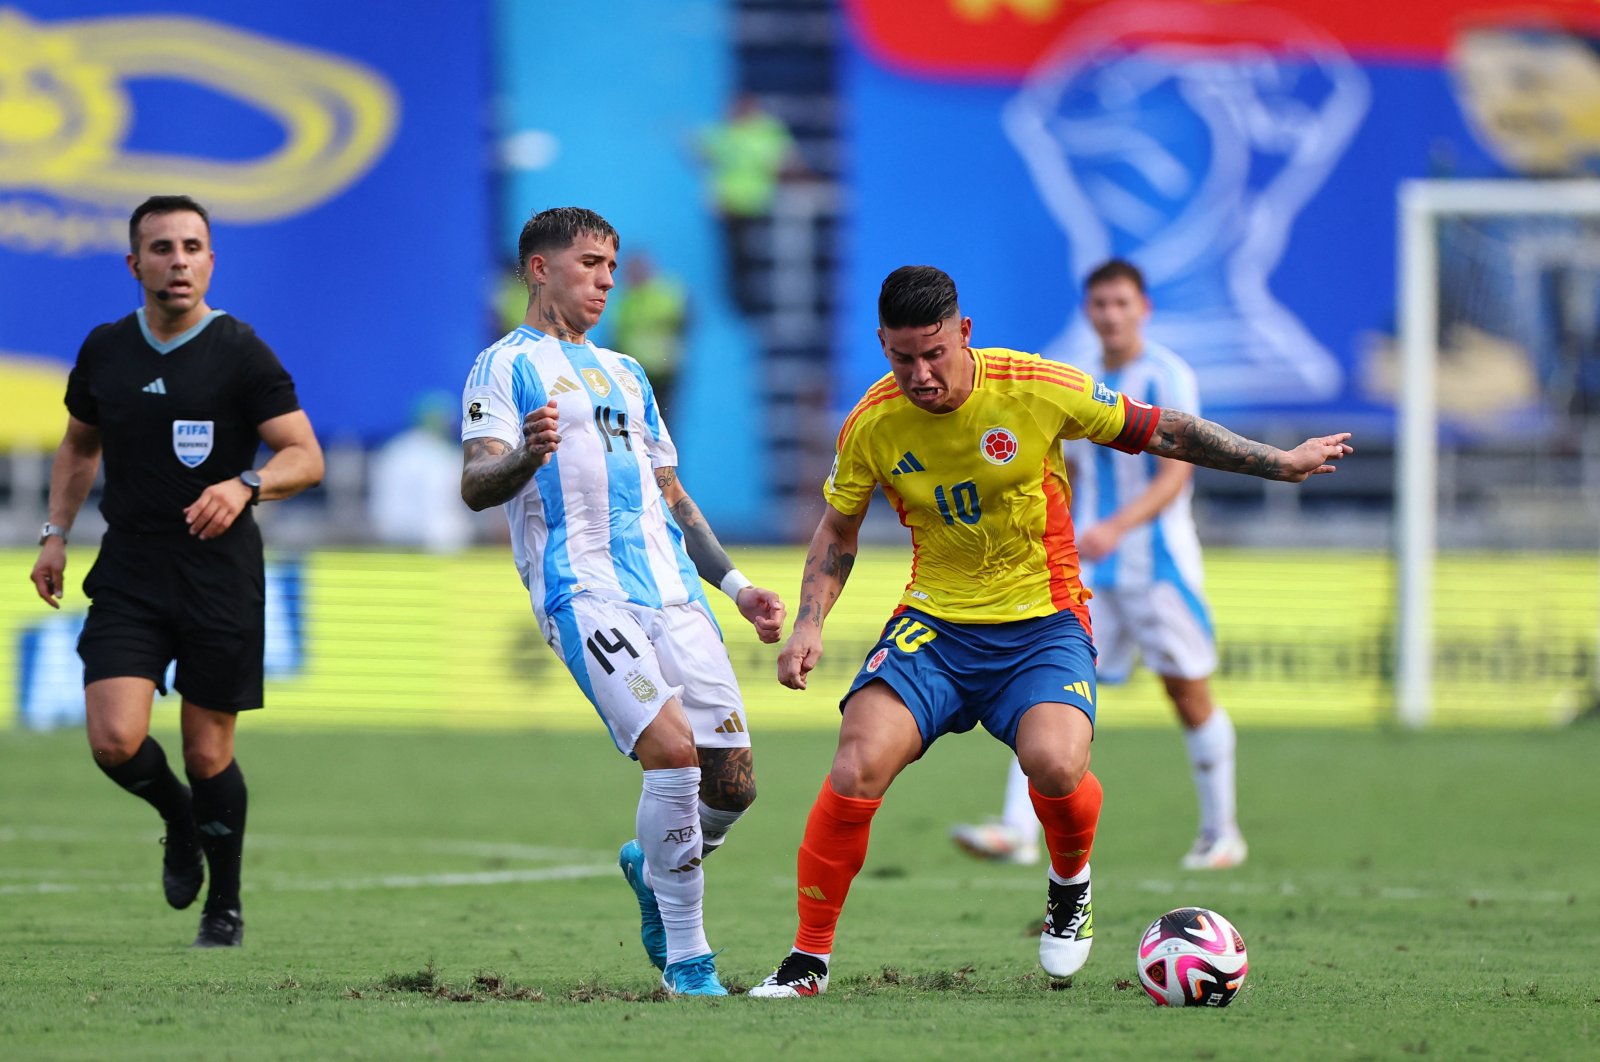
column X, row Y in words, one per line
column 382, row 881
column 427, row 881
column 444, row 845
column 50, row 888
column 572, row 869
column 571, row 864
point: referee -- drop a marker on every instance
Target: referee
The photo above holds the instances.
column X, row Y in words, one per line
column 178, row 398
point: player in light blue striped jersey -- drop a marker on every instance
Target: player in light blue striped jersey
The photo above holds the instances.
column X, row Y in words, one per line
column 567, row 436
column 1141, row 559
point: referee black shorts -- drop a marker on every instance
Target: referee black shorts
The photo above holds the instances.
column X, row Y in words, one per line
column 164, row 597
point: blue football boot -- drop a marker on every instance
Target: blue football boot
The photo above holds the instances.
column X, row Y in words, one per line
column 651, row 932
column 693, row 977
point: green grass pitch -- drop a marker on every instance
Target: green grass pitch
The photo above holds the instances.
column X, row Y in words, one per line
column 455, row 895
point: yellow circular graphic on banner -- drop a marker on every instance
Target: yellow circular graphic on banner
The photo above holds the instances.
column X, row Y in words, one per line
column 65, row 114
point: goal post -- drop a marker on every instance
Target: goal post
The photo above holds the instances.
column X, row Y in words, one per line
column 1422, row 206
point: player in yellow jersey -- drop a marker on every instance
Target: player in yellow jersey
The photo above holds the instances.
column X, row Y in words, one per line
column 993, row 628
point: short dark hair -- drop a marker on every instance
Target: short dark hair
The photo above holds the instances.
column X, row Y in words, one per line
column 558, row 227
column 916, row 295
column 163, row 204
column 1115, row 269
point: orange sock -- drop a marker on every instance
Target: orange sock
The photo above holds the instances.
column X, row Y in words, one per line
column 831, row 854
column 1069, row 823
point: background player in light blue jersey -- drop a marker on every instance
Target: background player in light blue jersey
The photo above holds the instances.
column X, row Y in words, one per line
column 1141, row 553
column 568, row 437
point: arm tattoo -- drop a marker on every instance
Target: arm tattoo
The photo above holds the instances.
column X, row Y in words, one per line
column 1202, row 442
column 838, row 564
column 727, row 778
column 710, row 559
column 492, row 473
column 823, row 582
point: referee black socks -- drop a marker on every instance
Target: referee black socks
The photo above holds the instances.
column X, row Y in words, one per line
column 219, row 813
column 148, row 777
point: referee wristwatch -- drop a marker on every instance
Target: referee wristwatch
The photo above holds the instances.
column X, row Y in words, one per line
column 252, row 479
column 52, row 529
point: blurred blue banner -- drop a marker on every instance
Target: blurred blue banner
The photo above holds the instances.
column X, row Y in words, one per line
column 340, row 150
column 1246, row 156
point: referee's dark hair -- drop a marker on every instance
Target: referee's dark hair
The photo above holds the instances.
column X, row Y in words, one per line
column 1116, row 269
column 914, row 296
column 163, row 204
column 558, row 227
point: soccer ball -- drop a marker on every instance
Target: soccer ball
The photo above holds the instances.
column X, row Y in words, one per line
column 1192, row 957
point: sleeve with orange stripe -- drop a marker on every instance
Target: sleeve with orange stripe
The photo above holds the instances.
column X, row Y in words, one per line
column 1088, row 409
column 1093, row 411
column 848, row 487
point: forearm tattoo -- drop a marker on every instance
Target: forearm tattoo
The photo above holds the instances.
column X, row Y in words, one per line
column 1203, row 442
column 727, row 778
column 493, row 473
column 838, row 563
column 817, row 594
column 710, row 559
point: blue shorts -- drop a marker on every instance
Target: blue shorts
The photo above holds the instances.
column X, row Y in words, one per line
column 953, row 676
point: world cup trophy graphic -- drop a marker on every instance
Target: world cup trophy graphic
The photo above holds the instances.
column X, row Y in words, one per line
column 1187, row 138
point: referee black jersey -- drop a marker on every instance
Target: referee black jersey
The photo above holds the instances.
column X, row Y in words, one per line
column 174, row 417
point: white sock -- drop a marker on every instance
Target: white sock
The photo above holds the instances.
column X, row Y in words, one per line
column 669, row 833
column 1019, row 813
column 1077, row 879
column 1211, row 761
column 714, row 826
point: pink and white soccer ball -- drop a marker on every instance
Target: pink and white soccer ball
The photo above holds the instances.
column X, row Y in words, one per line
column 1192, row 957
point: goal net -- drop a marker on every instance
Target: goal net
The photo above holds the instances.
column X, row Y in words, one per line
column 1498, row 477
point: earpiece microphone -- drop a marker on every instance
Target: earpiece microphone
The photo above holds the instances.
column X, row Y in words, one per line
column 163, row 294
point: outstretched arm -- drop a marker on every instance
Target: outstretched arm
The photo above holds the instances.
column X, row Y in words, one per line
column 828, row 563
column 710, row 559
column 1203, row 442
column 763, row 608
column 492, row 472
